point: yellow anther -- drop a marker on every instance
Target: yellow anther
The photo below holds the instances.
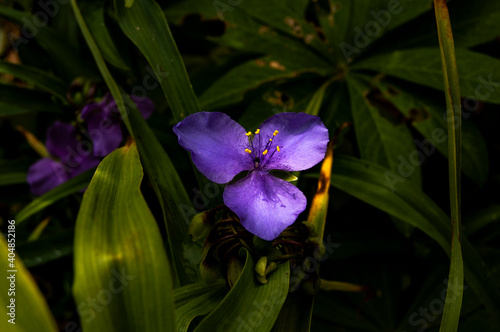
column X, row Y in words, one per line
column 257, row 131
column 270, row 140
column 248, row 150
column 249, row 133
column 278, row 148
column 275, row 133
column 265, row 152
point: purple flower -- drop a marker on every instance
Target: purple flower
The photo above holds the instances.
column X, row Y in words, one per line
column 104, row 122
column 70, row 158
column 221, row 148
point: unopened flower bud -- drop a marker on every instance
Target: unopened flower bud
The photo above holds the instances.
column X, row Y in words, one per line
column 199, row 227
column 261, row 266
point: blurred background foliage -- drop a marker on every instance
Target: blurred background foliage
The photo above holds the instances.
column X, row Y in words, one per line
column 370, row 67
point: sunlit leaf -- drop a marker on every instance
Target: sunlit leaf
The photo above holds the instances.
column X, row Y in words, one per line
column 119, row 253
column 22, row 294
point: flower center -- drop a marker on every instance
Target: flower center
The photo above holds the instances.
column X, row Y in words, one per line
column 261, row 157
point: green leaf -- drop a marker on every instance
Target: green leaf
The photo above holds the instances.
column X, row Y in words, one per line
column 316, row 101
column 199, row 305
column 176, row 206
column 185, row 294
column 453, row 302
column 296, row 313
column 373, row 184
column 248, row 33
column 380, row 136
column 93, row 12
column 119, row 254
column 14, row 101
column 29, row 301
column 69, row 187
column 10, row 178
column 37, row 77
column 355, row 26
column 472, row 25
column 427, row 116
column 231, row 87
column 287, row 17
column 145, row 24
column 46, row 249
column 64, row 55
column 284, row 175
column 175, row 12
column 336, row 111
column 423, row 66
column 250, row 304
column 480, row 219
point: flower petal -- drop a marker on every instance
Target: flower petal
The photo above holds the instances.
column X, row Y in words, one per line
column 302, row 139
column 217, row 145
column 61, row 138
column 265, row 204
column 85, row 164
column 104, row 130
column 144, row 105
column 46, row 174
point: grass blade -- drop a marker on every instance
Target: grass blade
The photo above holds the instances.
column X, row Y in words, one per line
column 451, row 314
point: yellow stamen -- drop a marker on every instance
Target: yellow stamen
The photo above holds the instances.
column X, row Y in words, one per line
column 278, row 148
column 265, row 152
column 257, row 131
column 248, row 150
column 249, row 133
column 270, row 140
column 275, row 133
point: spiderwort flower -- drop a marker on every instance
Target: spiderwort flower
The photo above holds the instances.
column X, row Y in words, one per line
column 68, row 159
column 104, row 122
column 221, row 148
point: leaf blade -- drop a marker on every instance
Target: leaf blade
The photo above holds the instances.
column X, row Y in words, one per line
column 117, row 239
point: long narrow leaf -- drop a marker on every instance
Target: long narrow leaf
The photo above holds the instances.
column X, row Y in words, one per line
column 119, row 256
column 453, row 303
column 37, row 77
column 169, row 188
column 145, row 24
